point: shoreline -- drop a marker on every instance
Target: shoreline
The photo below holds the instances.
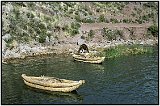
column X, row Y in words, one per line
column 25, row 50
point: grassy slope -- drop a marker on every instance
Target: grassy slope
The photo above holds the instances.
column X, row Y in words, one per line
column 27, row 21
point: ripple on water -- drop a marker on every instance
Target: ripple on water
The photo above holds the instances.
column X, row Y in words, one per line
column 128, row 79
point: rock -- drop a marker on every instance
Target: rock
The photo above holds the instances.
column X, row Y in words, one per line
column 7, row 8
column 9, row 54
column 94, row 52
column 52, row 40
column 130, row 42
column 14, row 44
column 16, row 55
column 80, row 41
column 150, row 42
column 25, row 49
column 71, row 50
column 6, row 37
column 33, row 43
column 107, row 46
column 108, row 41
column 112, row 45
column 35, row 49
column 141, row 43
column 3, row 45
column 47, row 39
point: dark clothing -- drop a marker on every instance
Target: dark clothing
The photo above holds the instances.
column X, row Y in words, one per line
column 83, row 49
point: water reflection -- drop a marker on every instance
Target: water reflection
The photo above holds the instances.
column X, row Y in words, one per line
column 98, row 67
column 51, row 97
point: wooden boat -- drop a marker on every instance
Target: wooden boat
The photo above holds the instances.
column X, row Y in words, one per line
column 88, row 59
column 52, row 83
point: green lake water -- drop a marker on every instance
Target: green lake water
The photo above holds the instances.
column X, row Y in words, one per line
column 123, row 80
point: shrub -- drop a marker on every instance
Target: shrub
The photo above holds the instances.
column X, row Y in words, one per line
column 98, row 10
column 113, row 20
column 42, row 38
column 151, row 5
column 90, row 13
column 139, row 21
column 65, row 27
column 91, row 33
column 26, row 24
column 107, row 21
column 127, row 20
column 133, row 14
column 88, row 20
column 75, row 25
column 74, row 32
column 153, row 30
column 151, row 15
column 145, row 17
column 73, row 29
column 110, row 34
column 120, row 33
column 101, row 18
column 78, row 18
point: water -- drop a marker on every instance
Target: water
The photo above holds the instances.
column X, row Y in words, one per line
column 123, row 80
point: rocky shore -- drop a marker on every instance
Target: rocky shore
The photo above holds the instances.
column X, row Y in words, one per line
column 21, row 51
column 37, row 28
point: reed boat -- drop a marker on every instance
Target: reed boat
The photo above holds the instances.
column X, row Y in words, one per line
column 52, row 83
column 88, row 59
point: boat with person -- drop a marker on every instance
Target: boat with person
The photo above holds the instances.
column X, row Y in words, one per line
column 88, row 59
column 83, row 55
column 52, row 83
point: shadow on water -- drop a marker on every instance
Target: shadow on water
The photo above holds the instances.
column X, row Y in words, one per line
column 72, row 97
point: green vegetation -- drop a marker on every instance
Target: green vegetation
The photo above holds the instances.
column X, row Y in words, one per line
column 127, row 50
column 88, row 20
column 26, row 21
column 74, row 29
column 151, row 5
column 113, row 20
column 133, row 14
column 91, row 33
column 143, row 19
column 127, row 20
column 153, row 30
column 42, row 38
column 101, row 18
column 78, row 18
column 112, row 34
column 9, row 43
column 25, row 24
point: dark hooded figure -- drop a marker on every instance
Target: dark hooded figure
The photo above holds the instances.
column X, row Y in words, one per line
column 83, row 49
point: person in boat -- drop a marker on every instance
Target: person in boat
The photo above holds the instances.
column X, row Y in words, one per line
column 83, row 50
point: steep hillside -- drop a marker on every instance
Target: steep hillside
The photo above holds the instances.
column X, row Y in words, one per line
column 26, row 21
column 30, row 27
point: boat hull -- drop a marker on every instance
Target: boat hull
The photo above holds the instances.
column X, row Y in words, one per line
column 67, row 89
column 96, row 60
column 66, row 86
